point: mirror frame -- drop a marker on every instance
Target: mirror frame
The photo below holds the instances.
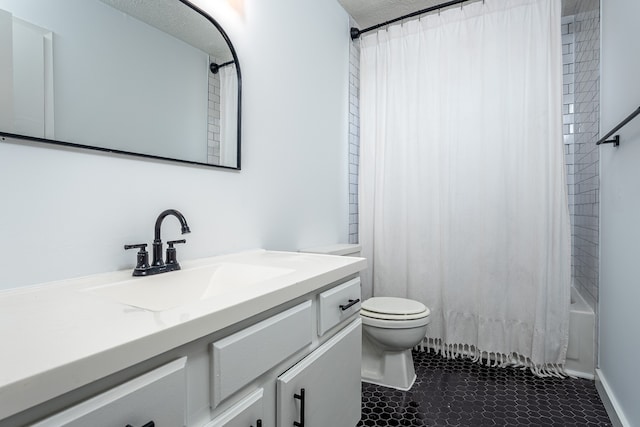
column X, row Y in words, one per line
column 187, row 3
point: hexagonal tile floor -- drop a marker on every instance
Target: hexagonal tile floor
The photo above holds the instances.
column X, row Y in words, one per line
column 462, row 393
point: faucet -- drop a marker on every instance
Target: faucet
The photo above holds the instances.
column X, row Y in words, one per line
column 157, row 242
column 158, row 265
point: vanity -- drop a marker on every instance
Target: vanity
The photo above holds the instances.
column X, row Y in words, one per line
column 258, row 338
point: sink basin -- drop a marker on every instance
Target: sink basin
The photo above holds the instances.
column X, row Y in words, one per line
column 170, row 290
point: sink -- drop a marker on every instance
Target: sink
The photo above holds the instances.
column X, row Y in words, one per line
column 170, row 290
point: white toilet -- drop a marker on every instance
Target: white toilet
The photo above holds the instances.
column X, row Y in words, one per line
column 391, row 328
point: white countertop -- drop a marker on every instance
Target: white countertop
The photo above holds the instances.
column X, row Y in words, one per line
column 56, row 337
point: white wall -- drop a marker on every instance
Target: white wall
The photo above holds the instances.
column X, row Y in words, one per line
column 67, row 214
column 620, row 207
column 6, row 70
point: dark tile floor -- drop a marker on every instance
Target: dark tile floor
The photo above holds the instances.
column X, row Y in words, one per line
column 462, row 393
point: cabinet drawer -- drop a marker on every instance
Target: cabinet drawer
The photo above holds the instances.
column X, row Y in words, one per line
column 158, row 396
column 245, row 413
column 330, row 312
column 245, row 355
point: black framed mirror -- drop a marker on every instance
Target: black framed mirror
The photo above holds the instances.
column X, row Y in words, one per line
column 153, row 78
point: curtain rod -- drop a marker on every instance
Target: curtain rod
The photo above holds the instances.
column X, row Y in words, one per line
column 355, row 32
column 216, row 67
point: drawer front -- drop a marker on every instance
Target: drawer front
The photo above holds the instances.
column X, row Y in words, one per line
column 330, row 312
column 245, row 413
column 158, row 396
column 245, row 355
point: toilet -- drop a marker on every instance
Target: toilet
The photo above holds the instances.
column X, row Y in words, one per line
column 391, row 328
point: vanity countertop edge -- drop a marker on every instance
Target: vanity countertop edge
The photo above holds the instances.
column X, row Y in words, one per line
column 58, row 338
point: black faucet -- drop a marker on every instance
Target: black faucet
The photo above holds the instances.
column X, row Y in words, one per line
column 158, row 265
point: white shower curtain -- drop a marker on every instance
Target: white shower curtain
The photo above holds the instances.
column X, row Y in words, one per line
column 229, row 115
column 463, row 200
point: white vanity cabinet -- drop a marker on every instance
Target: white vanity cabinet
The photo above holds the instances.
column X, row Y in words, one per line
column 237, row 360
column 322, row 389
column 158, row 396
column 305, row 362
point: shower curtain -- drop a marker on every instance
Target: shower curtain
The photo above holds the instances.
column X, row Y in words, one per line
column 463, row 201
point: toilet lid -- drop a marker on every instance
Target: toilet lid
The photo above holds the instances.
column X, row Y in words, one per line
column 390, row 306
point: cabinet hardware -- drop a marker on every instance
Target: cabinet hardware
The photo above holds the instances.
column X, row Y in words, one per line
column 258, row 423
column 351, row 303
column 301, row 398
column 149, row 424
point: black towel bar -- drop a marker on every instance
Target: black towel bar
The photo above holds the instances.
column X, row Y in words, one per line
column 616, row 139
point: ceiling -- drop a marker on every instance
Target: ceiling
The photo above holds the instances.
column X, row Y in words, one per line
column 371, row 12
column 367, row 13
column 173, row 17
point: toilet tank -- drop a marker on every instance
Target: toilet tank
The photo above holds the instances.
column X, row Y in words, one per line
column 343, row 249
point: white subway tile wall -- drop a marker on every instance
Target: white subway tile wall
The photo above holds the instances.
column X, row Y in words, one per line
column 581, row 55
column 354, row 136
column 213, row 118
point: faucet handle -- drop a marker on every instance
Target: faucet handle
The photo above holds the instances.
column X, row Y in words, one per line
column 173, row 242
column 171, row 253
column 143, row 259
column 142, row 246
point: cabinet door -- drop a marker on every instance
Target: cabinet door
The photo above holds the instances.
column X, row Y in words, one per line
column 330, row 377
column 248, row 412
column 158, row 396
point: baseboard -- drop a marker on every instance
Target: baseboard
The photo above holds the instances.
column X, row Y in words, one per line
column 579, row 374
column 609, row 401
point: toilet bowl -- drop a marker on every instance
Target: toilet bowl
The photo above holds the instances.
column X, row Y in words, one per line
column 391, row 328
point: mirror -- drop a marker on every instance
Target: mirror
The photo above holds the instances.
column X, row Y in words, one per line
column 151, row 78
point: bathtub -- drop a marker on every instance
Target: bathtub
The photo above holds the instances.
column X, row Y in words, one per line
column 581, row 349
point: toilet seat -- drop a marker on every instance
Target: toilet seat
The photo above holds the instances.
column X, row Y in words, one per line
column 394, row 324
column 390, row 308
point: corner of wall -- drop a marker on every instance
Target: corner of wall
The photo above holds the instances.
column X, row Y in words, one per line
column 614, row 411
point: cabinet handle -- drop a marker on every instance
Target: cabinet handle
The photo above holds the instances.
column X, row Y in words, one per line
column 149, row 424
column 301, row 398
column 351, row 303
column 258, row 423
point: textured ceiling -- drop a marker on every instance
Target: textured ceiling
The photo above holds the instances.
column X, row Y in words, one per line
column 173, row 17
column 371, row 12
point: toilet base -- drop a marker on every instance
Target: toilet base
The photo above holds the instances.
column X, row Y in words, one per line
column 387, row 368
column 366, row 380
